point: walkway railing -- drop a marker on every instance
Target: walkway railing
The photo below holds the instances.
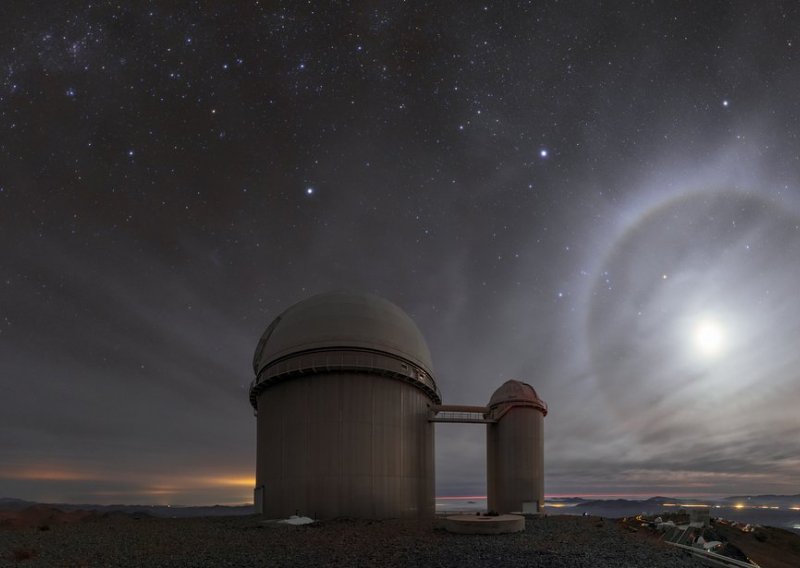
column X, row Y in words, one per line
column 345, row 359
column 461, row 414
column 713, row 558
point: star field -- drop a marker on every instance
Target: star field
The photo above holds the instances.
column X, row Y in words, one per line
column 556, row 192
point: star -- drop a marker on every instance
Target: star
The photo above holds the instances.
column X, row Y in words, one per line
column 543, row 153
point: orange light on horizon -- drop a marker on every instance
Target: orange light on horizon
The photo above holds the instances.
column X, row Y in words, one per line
column 242, row 481
column 159, row 491
column 180, row 485
column 46, row 475
column 147, row 484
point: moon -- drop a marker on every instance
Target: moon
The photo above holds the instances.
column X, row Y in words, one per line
column 708, row 337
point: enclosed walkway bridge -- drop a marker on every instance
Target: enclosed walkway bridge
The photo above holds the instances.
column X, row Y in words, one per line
column 461, row 414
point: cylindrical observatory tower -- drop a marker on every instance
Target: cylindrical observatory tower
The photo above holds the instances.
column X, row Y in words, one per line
column 342, row 391
column 515, row 449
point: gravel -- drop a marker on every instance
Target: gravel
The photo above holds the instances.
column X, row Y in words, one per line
column 553, row 541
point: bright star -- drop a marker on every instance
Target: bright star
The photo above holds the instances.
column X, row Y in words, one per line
column 309, row 191
column 543, row 152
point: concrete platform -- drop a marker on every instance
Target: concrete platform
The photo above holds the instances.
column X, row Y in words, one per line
column 475, row 524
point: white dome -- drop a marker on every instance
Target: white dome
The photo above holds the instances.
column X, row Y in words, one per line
column 343, row 320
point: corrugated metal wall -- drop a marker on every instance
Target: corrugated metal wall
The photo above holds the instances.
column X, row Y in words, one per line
column 515, row 460
column 345, row 444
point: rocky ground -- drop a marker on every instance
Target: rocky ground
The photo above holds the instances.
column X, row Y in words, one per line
column 45, row 539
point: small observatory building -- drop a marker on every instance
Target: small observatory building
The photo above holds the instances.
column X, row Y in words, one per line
column 515, row 449
column 343, row 391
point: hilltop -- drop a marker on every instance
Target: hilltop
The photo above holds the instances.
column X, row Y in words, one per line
column 8, row 504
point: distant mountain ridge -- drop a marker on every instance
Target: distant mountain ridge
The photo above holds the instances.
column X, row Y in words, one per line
column 781, row 511
column 622, row 506
column 785, row 500
column 765, row 498
column 11, row 504
column 725, row 506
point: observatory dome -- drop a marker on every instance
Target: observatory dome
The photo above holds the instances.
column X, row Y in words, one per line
column 343, row 320
column 517, row 393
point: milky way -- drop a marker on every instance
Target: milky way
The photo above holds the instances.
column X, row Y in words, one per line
column 560, row 193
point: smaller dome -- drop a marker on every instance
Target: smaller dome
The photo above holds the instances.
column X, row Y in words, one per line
column 517, row 393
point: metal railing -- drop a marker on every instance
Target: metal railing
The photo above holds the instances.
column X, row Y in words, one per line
column 713, row 558
column 343, row 359
column 460, row 414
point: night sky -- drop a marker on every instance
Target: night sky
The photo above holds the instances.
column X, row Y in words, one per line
column 600, row 199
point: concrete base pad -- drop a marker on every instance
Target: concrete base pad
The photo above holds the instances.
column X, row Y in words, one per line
column 475, row 524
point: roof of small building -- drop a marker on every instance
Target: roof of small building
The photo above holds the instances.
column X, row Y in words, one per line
column 517, row 392
column 343, row 320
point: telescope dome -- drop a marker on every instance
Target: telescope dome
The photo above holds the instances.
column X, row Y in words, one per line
column 517, row 393
column 337, row 320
